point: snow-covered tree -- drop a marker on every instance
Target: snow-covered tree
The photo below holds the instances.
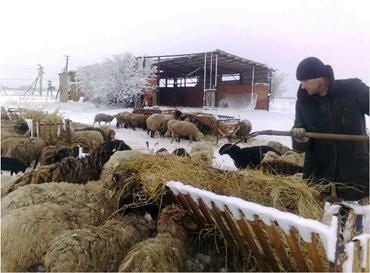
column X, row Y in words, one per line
column 277, row 85
column 120, row 79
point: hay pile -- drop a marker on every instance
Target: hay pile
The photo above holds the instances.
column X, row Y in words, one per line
column 284, row 193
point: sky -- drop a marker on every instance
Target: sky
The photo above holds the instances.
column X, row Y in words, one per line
column 277, row 33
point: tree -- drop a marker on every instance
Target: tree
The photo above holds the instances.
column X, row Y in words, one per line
column 120, row 79
column 277, row 84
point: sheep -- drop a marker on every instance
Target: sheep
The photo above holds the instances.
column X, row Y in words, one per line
column 26, row 233
column 13, row 165
column 202, row 152
column 166, row 252
column 31, row 226
column 71, row 169
column 121, row 118
column 52, row 154
column 26, row 150
column 287, row 164
column 162, row 151
column 277, row 146
column 245, row 157
column 102, row 117
column 106, row 131
column 170, row 124
column 134, row 120
column 158, row 122
column 180, row 152
column 245, row 127
column 89, row 140
column 185, row 128
column 96, row 249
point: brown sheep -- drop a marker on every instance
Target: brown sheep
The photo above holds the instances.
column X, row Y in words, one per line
column 245, row 128
column 26, row 150
column 96, row 249
column 166, row 252
column 89, row 140
column 53, row 154
column 121, row 118
column 135, row 121
column 106, row 131
column 277, row 146
column 71, row 169
column 103, row 117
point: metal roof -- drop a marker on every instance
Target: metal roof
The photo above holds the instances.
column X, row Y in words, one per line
column 192, row 64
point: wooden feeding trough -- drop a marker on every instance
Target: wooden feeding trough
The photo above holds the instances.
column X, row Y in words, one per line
column 280, row 241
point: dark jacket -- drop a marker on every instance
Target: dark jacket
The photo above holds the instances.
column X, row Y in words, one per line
column 342, row 111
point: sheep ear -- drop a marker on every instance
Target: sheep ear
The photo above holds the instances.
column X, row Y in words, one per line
column 189, row 223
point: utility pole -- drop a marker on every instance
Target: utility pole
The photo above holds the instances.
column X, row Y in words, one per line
column 41, row 71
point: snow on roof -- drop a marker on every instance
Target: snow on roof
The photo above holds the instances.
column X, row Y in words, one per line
column 306, row 227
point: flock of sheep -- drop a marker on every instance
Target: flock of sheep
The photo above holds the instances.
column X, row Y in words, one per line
column 64, row 215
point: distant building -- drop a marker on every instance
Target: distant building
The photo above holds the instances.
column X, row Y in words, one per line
column 69, row 88
column 209, row 79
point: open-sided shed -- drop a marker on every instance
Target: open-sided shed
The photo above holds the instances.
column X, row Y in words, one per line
column 211, row 79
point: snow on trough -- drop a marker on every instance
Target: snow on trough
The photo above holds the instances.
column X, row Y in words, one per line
column 286, row 220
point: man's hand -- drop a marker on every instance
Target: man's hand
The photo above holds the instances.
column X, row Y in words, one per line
column 299, row 135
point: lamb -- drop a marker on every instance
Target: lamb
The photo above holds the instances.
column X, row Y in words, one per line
column 106, row 131
column 245, row 157
column 121, row 118
column 13, row 165
column 71, row 169
column 185, row 128
column 52, row 154
column 158, row 122
column 26, row 150
column 166, row 252
column 96, row 249
column 102, row 117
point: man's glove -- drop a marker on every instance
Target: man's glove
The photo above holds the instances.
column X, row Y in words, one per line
column 299, row 135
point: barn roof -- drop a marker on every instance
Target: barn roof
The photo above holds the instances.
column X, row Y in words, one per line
column 192, row 64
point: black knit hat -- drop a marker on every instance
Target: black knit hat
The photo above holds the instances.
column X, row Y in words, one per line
column 311, row 68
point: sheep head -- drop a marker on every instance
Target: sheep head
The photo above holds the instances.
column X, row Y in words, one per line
column 228, row 149
column 175, row 220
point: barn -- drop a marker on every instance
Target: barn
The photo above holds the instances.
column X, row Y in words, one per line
column 209, row 79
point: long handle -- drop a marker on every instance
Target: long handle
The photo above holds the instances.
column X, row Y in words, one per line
column 314, row 135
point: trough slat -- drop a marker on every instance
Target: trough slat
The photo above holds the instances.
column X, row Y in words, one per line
column 221, row 225
column 314, row 257
column 258, row 230
column 205, row 212
column 296, row 251
column 195, row 209
column 278, row 245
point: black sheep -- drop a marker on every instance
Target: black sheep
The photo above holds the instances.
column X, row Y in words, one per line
column 245, row 157
column 13, row 165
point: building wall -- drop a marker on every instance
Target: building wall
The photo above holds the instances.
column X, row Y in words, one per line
column 181, row 96
column 229, row 95
column 240, row 95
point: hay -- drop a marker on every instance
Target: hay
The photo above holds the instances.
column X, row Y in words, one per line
column 289, row 194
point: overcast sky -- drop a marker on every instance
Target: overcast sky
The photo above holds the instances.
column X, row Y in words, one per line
column 276, row 33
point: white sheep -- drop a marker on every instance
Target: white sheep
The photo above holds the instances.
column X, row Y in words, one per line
column 186, row 129
column 96, row 249
column 166, row 252
column 27, row 232
column 158, row 122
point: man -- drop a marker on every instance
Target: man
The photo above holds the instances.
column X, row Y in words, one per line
column 325, row 105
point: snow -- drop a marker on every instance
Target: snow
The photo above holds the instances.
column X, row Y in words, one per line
column 285, row 220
